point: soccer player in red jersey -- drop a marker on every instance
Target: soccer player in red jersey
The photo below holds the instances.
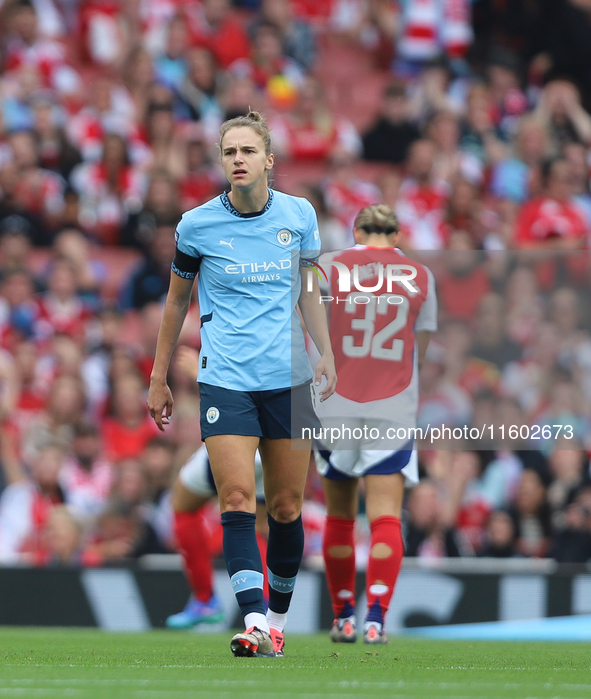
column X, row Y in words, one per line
column 383, row 310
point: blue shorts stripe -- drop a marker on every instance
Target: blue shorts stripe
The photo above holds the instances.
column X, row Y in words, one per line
column 334, row 474
column 246, row 580
column 210, row 478
column 281, row 584
column 393, row 463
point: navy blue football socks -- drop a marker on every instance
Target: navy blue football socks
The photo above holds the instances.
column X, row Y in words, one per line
column 243, row 560
column 284, row 556
column 347, row 611
column 374, row 613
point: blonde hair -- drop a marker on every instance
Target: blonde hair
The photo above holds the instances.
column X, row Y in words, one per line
column 377, row 218
column 254, row 120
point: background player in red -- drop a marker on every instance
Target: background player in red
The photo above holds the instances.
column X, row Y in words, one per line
column 380, row 336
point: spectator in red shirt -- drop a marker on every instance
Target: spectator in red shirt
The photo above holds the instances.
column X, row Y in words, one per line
column 26, row 504
column 110, row 190
column 65, row 405
column 102, row 30
column 213, row 27
column 461, row 288
column 462, row 211
column 508, row 100
column 62, row 539
column 311, row 132
column 129, row 429
column 553, row 221
column 32, row 393
column 25, row 47
column 109, row 109
column 422, row 200
column 201, row 180
column 317, row 11
column 87, row 477
column 273, row 73
column 345, row 192
column 61, row 310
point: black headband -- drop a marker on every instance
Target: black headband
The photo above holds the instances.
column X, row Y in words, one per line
column 375, row 228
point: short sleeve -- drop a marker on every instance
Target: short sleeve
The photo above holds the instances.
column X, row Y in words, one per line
column 187, row 259
column 310, row 245
column 427, row 318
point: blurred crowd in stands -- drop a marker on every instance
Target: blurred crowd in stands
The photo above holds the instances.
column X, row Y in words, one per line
column 512, row 360
column 470, row 119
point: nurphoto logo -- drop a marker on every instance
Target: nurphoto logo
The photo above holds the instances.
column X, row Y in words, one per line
column 402, row 275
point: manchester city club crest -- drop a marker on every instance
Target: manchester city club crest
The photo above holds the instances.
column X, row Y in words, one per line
column 284, row 236
column 212, row 415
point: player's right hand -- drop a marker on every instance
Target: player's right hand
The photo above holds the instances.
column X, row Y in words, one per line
column 160, row 404
column 326, row 368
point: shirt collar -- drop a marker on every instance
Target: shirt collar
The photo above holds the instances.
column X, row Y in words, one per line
column 225, row 199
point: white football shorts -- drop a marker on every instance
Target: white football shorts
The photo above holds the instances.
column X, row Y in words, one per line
column 197, row 477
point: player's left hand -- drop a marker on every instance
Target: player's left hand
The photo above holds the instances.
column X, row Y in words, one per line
column 326, row 368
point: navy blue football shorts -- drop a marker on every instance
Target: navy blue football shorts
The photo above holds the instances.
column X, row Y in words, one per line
column 275, row 414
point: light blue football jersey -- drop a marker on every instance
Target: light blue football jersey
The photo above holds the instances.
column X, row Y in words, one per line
column 249, row 284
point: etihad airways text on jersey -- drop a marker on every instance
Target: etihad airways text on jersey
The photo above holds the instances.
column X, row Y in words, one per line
column 246, row 267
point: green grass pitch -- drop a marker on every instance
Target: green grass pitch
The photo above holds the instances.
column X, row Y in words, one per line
column 65, row 663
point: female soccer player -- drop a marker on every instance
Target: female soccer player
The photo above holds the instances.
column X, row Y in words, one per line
column 247, row 246
column 380, row 331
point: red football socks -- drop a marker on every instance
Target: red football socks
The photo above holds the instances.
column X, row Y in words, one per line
column 384, row 562
column 340, row 571
column 193, row 540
